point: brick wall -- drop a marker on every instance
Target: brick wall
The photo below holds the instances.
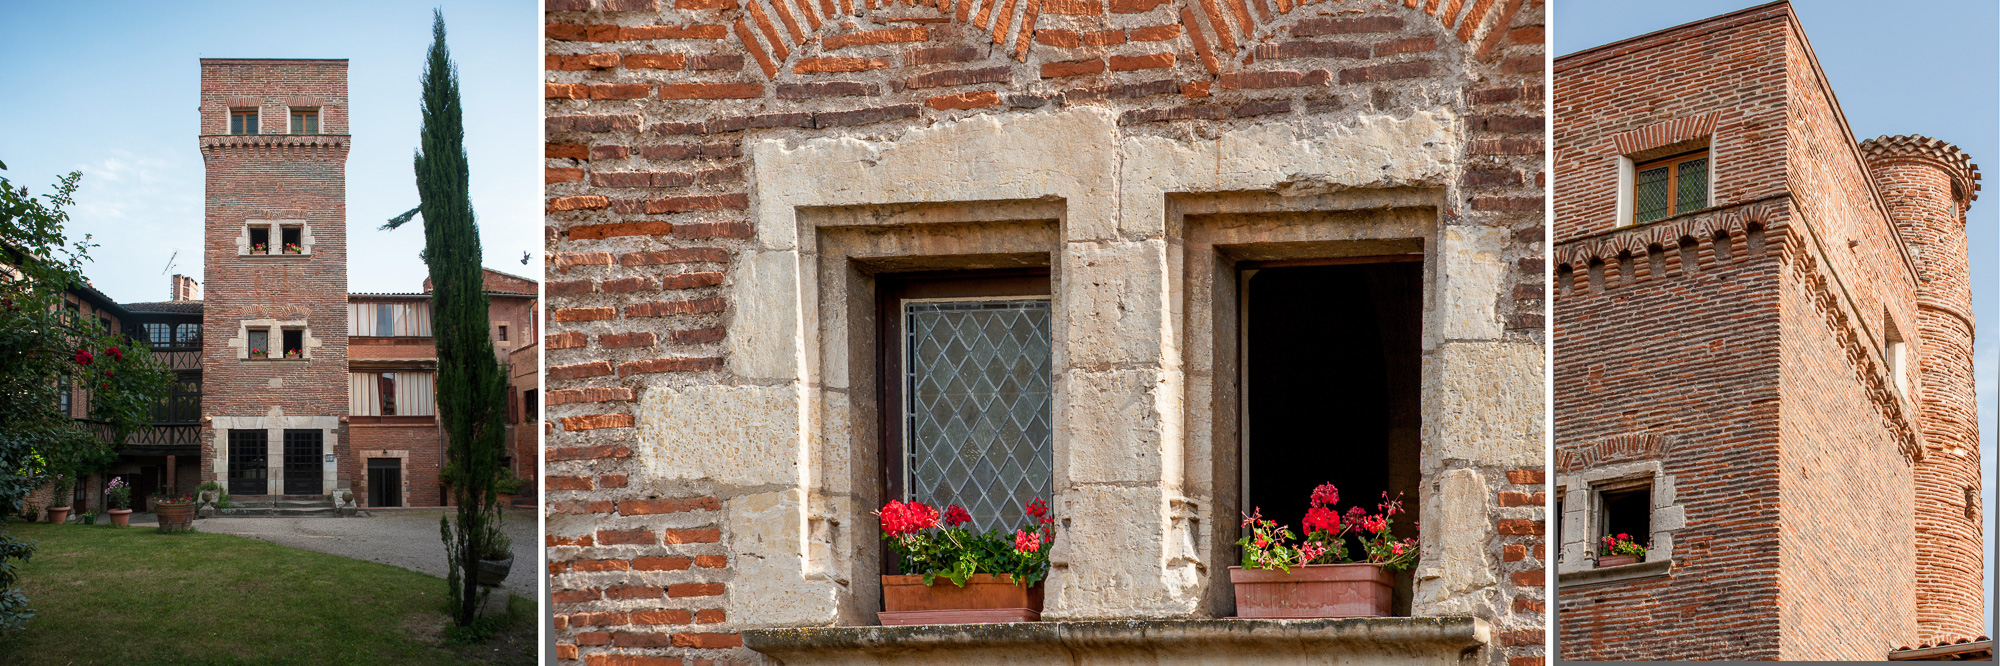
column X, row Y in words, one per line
column 425, row 446
column 274, row 176
column 651, row 105
column 1751, row 337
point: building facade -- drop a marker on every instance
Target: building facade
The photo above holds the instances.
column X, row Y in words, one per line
column 1150, row 228
column 1763, row 358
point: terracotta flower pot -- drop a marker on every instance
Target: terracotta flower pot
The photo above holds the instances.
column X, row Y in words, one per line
column 985, row 598
column 1616, row 560
column 1314, row 590
column 176, row 515
column 121, row 517
column 58, row 514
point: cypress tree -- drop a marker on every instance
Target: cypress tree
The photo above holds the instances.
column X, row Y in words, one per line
column 471, row 385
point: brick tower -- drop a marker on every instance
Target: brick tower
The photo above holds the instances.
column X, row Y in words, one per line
column 1928, row 184
column 274, row 356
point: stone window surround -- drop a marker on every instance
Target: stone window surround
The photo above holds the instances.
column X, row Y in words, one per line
column 1628, row 174
column 1579, row 491
column 361, row 462
column 241, row 343
column 797, row 527
column 306, row 239
column 275, row 423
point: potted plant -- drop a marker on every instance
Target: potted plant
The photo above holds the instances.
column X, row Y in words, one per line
column 120, row 495
column 994, row 576
column 59, row 503
column 496, row 559
column 1619, row 550
column 175, row 513
column 507, row 487
column 293, row 248
column 259, row 353
column 89, row 517
column 291, row 353
column 1327, row 583
column 32, row 512
column 258, row 248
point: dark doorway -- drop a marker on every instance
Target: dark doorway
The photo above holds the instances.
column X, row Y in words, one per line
column 385, row 482
column 248, row 455
column 302, row 462
column 1332, row 357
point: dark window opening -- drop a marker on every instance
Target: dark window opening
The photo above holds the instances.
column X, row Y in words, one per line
column 967, row 404
column 242, row 121
column 1628, row 511
column 305, row 121
column 292, row 239
column 187, row 334
column 532, row 400
column 385, row 482
column 386, row 386
column 502, row 333
column 295, row 343
column 1332, row 361
column 159, row 335
column 260, row 240
column 513, row 407
column 182, row 404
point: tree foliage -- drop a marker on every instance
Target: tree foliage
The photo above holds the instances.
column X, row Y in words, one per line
column 471, row 385
column 46, row 352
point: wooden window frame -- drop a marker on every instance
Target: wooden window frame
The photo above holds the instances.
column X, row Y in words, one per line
column 304, row 120
column 244, row 122
column 1672, row 164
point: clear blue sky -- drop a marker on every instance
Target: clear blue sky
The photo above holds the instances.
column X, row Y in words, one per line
column 1929, row 68
column 111, row 89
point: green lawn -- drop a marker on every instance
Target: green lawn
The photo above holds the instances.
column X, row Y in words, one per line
column 106, row 595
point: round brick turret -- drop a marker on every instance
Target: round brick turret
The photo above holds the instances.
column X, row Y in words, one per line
column 1928, row 184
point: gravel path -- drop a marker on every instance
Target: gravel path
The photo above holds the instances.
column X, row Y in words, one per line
column 406, row 538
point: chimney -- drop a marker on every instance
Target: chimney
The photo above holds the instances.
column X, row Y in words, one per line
column 185, row 289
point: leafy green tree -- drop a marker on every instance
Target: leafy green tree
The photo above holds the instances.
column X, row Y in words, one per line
column 46, row 352
column 471, row 384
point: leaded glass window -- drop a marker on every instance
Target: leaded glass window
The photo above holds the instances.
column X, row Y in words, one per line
column 1668, row 187
column 977, row 405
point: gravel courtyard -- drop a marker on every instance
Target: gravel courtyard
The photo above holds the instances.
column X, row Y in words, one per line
column 406, row 538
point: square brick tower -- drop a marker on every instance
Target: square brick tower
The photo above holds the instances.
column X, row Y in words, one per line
column 1762, row 365
column 274, row 141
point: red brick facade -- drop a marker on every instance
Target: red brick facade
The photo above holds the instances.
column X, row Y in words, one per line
column 281, row 178
column 652, row 107
column 1740, row 358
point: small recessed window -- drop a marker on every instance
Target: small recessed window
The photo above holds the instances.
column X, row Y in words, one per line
column 385, row 389
column 259, row 343
column 1625, row 509
column 295, row 343
column 1894, row 354
column 293, row 238
column 1668, row 187
column 305, row 121
column 503, row 332
column 260, row 240
column 242, row 121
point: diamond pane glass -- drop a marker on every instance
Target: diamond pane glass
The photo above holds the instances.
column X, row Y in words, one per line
column 978, row 401
column 1693, row 186
column 1650, row 196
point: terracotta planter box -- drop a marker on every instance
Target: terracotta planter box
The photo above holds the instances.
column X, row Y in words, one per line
column 176, row 516
column 121, row 517
column 1314, row 590
column 1616, row 560
column 58, row 514
column 985, row 598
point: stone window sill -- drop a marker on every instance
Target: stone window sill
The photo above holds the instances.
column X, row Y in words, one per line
column 1438, row 640
column 277, row 360
column 280, row 255
column 1608, row 575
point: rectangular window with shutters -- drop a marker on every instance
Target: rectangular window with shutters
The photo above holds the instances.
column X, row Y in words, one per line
column 305, row 121
column 242, row 121
column 1671, row 186
column 966, row 368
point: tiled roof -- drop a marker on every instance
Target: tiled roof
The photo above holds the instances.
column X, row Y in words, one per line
column 179, row 307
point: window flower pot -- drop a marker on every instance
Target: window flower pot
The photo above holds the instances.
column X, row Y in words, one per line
column 1314, row 591
column 985, row 598
column 121, row 517
column 58, row 514
column 176, row 515
column 1616, row 560
column 259, row 250
column 291, row 354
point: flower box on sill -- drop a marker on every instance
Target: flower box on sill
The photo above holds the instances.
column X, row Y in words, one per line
column 259, row 249
column 1620, row 550
column 1283, row 576
column 985, row 598
column 1616, row 560
column 1355, row 589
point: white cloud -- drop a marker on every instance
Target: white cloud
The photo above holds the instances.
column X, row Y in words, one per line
column 140, row 209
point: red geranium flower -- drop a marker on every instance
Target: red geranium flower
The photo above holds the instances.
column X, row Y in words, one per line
column 1321, row 519
column 956, row 516
column 1027, row 542
column 1037, row 508
column 1325, row 495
